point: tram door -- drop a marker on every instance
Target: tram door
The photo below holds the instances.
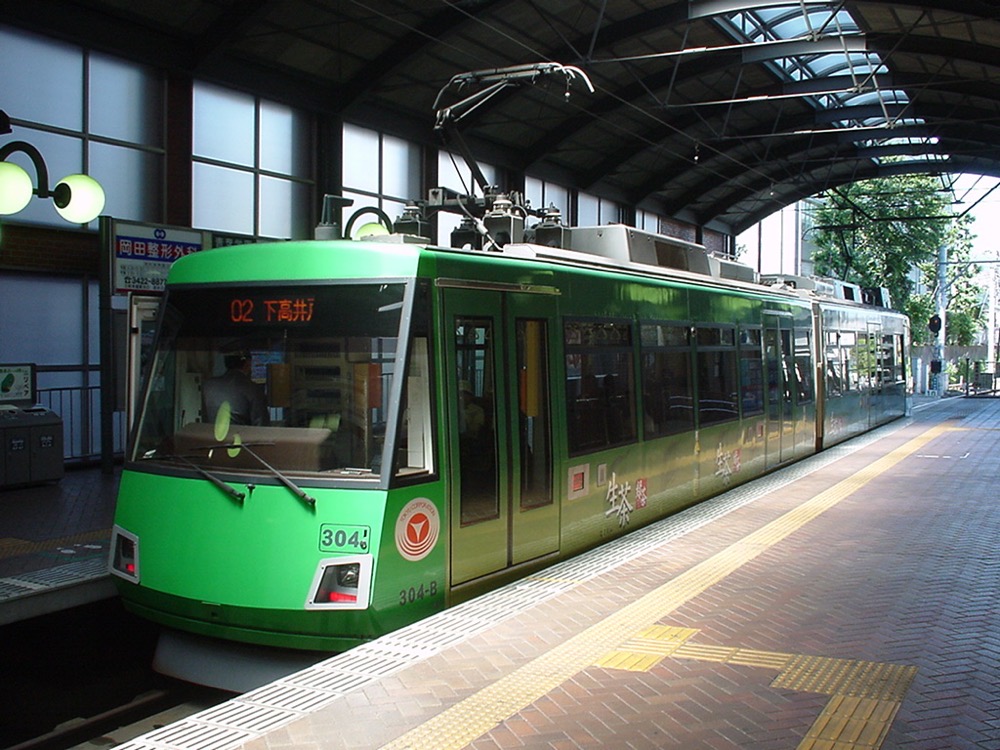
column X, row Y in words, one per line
column 780, row 367
column 502, row 504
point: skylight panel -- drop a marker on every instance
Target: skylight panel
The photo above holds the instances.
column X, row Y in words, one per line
column 807, row 21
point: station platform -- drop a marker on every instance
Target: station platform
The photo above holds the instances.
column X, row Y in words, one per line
column 54, row 541
column 848, row 601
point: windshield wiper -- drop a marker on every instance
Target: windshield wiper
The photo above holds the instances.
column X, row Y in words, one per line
column 235, row 494
column 232, row 492
column 294, row 488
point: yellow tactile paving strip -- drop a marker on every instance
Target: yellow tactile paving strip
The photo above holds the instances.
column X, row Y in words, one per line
column 865, row 696
column 459, row 725
column 13, row 547
column 647, row 649
column 862, row 679
column 849, row 723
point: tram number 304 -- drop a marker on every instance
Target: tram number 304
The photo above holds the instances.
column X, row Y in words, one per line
column 341, row 538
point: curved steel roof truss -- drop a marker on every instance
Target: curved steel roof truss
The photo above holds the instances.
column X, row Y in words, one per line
column 715, row 111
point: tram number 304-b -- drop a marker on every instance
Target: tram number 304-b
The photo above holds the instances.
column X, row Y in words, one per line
column 416, row 593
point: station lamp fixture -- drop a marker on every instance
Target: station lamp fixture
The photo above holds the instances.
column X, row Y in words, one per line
column 78, row 198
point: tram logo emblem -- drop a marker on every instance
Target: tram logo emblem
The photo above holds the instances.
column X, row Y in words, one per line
column 417, row 529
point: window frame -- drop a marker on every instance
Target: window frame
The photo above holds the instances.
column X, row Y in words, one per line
column 805, row 378
column 608, row 414
column 264, row 180
column 710, row 347
column 669, row 349
column 742, row 349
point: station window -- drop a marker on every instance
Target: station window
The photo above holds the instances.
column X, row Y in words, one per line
column 593, row 211
column 647, row 221
column 751, row 372
column 252, row 171
column 543, row 194
column 716, row 372
column 380, row 171
column 667, row 399
column 599, row 385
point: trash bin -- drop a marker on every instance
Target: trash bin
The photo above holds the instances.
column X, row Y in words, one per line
column 32, row 441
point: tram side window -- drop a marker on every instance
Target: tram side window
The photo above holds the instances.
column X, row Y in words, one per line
column 892, row 360
column 415, row 455
column 716, row 368
column 864, row 361
column 848, row 342
column 751, row 372
column 476, row 408
column 600, row 409
column 788, row 365
column 534, row 413
column 900, row 359
column 667, row 399
column 803, row 365
column 834, row 366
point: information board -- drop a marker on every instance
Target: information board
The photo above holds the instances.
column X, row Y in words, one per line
column 17, row 384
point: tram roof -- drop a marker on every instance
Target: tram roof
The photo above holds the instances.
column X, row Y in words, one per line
column 715, row 112
column 518, row 267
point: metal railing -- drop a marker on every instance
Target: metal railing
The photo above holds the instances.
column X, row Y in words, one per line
column 80, row 410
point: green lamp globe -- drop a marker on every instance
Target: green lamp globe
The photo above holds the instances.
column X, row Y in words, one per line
column 85, row 198
column 15, row 188
column 370, row 229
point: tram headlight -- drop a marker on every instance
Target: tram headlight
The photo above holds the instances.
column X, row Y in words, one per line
column 341, row 583
column 124, row 561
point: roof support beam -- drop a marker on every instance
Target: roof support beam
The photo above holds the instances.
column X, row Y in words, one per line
column 709, row 8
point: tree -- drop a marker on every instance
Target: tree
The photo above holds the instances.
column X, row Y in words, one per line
column 874, row 233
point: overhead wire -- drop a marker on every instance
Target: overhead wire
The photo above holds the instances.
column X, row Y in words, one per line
column 656, row 146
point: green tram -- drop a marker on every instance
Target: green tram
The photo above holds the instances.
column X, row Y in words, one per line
column 441, row 421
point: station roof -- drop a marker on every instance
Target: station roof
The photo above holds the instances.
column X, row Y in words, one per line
column 716, row 112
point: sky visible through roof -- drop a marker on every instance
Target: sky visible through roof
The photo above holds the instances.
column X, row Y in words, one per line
column 791, row 25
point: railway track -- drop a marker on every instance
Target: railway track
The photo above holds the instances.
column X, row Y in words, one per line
column 125, row 722
column 81, row 679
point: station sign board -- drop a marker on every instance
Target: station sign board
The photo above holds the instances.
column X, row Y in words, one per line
column 143, row 253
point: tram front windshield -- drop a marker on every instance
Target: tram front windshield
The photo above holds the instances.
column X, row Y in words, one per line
column 295, row 378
